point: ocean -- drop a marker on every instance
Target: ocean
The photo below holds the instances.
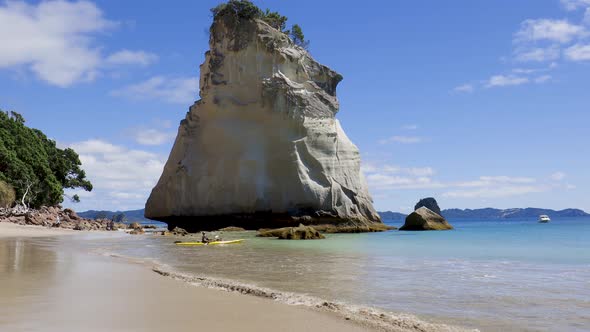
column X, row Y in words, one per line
column 508, row 275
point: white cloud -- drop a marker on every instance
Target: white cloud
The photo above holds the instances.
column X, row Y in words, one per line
column 495, row 186
column 578, row 52
column 410, row 127
column 560, row 31
column 388, row 177
column 53, row 39
column 150, row 136
column 488, row 192
column 113, row 167
column 401, row 139
column 542, row 79
column 464, row 88
column 575, row 4
column 538, row 54
column 558, row 176
column 485, row 181
column 122, row 177
column 128, row 57
column 506, row 80
column 173, row 90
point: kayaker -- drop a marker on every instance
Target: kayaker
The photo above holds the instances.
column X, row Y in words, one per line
column 204, row 238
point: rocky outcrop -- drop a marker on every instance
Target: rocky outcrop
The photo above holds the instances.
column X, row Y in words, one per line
column 430, row 203
column 425, row 219
column 49, row 216
column 262, row 147
column 293, row 233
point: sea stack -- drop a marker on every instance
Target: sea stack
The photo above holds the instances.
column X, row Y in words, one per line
column 426, row 217
column 262, row 147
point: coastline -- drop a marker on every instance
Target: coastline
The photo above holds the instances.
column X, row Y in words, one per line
column 89, row 292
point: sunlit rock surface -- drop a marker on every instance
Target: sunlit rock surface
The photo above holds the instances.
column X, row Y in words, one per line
column 262, row 147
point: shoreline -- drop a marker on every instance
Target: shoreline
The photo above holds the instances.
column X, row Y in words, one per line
column 246, row 303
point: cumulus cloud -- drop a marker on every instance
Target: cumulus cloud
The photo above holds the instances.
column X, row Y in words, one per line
column 575, row 4
column 55, row 40
column 559, row 31
column 542, row 79
column 558, row 176
column 490, row 192
column 538, row 54
column 578, row 52
column 180, row 90
column 128, row 57
column 466, row 88
column 151, row 136
column 122, row 177
column 401, row 139
column 506, row 80
column 410, row 127
column 383, row 179
column 388, row 177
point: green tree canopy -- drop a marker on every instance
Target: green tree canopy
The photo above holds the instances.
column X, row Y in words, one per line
column 33, row 165
column 245, row 9
column 298, row 37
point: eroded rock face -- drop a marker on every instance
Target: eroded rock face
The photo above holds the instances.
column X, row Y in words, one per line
column 262, row 147
column 425, row 219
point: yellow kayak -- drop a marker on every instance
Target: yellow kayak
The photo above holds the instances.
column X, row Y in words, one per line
column 208, row 244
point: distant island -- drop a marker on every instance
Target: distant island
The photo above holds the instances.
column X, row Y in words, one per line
column 486, row 213
column 491, row 213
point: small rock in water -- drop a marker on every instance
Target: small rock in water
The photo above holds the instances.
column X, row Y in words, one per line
column 424, row 219
column 430, row 203
column 300, row 233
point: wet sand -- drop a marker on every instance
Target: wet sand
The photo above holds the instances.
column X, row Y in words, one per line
column 13, row 230
column 46, row 288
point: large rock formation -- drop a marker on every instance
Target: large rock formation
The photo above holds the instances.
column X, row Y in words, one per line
column 262, row 147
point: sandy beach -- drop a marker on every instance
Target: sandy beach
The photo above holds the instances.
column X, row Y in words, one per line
column 45, row 289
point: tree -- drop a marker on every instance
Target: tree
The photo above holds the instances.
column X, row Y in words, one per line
column 298, row 36
column 34, row 166
column 275, row 20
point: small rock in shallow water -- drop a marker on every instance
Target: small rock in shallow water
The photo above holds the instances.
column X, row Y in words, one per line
column 424, row 219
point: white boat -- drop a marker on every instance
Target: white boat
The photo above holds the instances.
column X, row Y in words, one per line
column 544, row 218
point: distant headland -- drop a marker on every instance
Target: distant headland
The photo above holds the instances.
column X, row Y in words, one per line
column 484, row 213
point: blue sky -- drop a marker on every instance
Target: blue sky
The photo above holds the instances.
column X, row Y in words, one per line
column 477, row 103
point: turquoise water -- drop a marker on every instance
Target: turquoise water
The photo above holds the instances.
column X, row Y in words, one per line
column 490, row 274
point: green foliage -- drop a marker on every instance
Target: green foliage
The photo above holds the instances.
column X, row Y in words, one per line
column 245, row 9
column 33, row 165
column 298, row 37
column 275, row 20
column 7, row 194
